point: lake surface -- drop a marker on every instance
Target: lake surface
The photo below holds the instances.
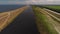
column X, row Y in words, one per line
column 4, row 8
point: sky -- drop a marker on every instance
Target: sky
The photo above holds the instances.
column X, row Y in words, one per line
column 30, row 2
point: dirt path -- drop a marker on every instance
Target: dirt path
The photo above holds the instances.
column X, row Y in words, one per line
column 7, row 17
column 22, row 24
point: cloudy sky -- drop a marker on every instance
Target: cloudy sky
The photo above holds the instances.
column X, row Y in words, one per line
column 29, row 1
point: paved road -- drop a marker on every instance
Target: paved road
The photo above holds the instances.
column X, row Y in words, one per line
column 23, row 24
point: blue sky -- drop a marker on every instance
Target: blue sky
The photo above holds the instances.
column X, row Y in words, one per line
column 13, row 1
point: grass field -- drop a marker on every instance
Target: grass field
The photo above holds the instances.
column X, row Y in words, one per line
column 42, row 22
column 54, row 7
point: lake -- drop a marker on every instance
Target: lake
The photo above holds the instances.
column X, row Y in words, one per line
column 4, row 8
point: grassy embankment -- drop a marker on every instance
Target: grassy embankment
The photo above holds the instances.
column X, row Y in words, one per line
column 42, row 22
column 56, row 8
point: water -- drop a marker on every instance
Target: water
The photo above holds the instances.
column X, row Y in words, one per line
column 4, row 8
column 22, row 24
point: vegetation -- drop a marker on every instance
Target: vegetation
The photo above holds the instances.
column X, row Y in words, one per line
column 41, row 19
column 55, row 8
column 51, row 7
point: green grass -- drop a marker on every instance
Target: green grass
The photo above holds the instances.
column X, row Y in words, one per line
column 53, row 7
column 42, row 18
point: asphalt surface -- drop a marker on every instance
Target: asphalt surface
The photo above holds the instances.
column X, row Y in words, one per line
column 23, row 24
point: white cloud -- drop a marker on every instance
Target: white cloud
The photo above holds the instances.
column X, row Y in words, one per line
column 32, row 2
